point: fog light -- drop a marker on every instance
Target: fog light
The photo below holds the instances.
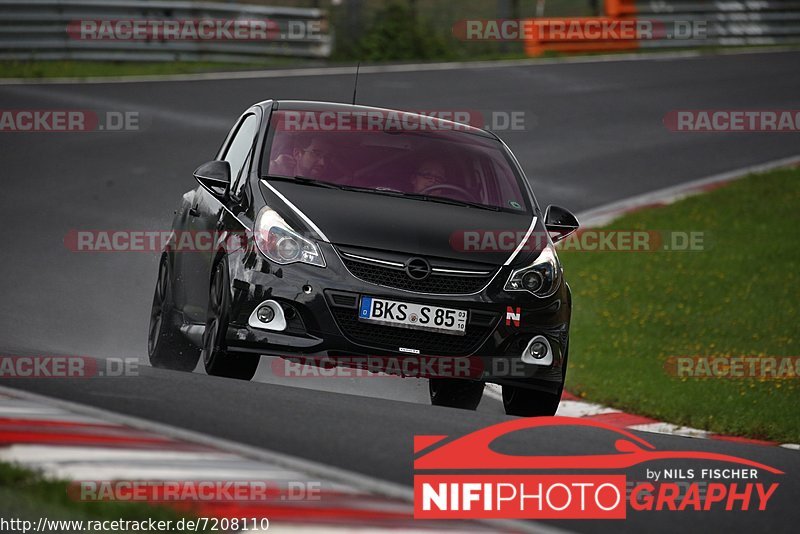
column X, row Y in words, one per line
column 538, row 350
column 268, row 315
column 265, row 314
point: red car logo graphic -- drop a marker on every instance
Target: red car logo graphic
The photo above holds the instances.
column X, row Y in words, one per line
column 473, row 451
column 461, row 478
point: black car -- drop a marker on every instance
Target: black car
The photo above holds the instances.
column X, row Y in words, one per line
column 348, row 234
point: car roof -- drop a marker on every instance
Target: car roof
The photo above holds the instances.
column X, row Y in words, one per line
column 312, row 105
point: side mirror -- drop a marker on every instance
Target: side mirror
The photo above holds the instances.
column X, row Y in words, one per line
column 214, row 176
column 560, row 222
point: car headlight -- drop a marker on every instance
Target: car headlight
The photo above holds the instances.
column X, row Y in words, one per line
column 542, row 278
column 280, row 243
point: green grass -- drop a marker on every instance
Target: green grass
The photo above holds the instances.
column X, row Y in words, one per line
column 86, row 69
column 633, row 310
column 27, row 495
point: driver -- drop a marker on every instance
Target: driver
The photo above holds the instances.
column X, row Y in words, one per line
column 309, row 158
column 427, row 175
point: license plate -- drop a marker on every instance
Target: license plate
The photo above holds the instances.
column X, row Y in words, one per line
column 416, row 316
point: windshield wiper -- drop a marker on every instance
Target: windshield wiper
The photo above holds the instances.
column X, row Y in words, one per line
column 454, row 202
column 320, row 183
column 304, row 180
column 382, row 191
column 418, row 196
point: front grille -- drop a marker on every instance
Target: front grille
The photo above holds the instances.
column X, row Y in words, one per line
column 437, row 283
column 428, row 343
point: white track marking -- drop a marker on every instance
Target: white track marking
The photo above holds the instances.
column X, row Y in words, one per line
column 669, row 428
column 566, row 408
column 570, row 408
column 603, row 215
column 66, row 453
column 26, row 411
column 188, row 473
column 311, row 470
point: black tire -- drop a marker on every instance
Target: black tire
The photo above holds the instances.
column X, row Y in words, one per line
column 216, row 359
column 529, row 402
column 166, row 346
column 526, row 402
column 455, row 393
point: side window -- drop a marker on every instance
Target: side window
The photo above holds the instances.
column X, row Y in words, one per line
column 238, row 150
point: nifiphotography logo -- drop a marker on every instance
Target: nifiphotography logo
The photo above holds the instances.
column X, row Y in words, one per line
column 468, row 478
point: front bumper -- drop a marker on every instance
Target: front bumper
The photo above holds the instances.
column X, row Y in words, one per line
column 321, row 310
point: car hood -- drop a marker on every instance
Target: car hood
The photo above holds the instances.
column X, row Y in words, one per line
column 415, row 227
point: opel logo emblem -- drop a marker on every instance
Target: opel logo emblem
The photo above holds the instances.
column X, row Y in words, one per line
column 418, row 268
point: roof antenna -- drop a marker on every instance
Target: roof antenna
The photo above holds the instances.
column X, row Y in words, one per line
column 355, row 87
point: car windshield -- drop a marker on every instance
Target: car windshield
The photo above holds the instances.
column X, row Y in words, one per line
column 418, row 158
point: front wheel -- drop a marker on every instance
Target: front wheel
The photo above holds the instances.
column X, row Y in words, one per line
column 529, row 402
column 216, row 359
column 455, row 393
column 166, row 346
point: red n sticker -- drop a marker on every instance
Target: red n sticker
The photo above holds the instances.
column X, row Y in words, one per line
column 513, row 315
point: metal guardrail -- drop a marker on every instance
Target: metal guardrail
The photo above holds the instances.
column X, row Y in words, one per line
column 38, row 30
column 705, row 23
column 725, row 22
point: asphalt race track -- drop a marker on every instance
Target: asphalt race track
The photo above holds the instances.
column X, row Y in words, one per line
column 594, row 134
